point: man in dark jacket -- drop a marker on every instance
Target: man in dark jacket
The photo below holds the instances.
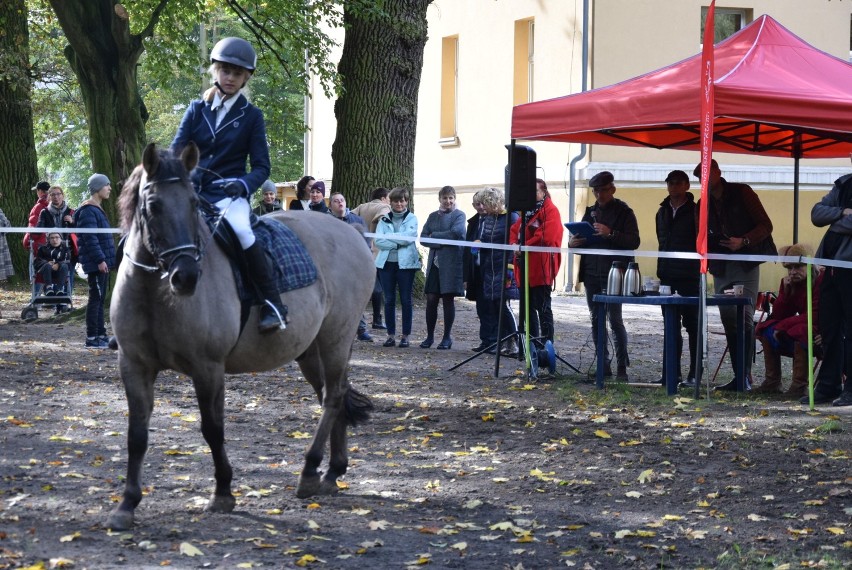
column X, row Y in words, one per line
column 616, row 225
column 676, row 231
column 736, row 223
column 835, row 315
column 97, row 256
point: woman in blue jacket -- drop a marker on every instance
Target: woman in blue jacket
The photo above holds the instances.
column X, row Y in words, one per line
column 397, row 262
column 228, row 131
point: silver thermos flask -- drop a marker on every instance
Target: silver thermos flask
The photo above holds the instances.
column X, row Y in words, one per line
column 632, row 281
column 615, row 278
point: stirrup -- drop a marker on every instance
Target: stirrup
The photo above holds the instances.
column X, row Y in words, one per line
column 282, row 318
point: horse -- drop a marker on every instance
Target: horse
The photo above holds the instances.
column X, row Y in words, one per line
column 175, row 306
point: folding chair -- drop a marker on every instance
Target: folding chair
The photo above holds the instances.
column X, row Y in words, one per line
column 762, row 310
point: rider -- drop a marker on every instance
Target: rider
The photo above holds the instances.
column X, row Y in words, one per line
column 228, row 130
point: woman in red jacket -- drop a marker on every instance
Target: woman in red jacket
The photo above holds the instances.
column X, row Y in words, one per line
column 785, row 332
column 543, row 229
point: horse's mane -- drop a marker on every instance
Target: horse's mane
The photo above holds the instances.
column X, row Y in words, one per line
column 168, row 166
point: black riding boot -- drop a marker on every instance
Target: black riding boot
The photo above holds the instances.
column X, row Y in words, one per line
column 273, row 314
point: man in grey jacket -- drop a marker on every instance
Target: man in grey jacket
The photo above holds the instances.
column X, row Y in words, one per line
column 835, row 315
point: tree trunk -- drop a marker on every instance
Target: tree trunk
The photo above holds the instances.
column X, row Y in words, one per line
column 104, row 55
column 377, row 113
column 18, row 163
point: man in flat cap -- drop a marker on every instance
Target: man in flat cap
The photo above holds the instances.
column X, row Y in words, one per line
column 676, row 231
column 736, row 223
column 616, row 225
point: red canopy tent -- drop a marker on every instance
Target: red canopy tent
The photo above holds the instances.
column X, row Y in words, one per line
column 776, row 95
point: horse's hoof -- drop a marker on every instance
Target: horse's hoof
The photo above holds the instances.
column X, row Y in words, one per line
column 221, row 504
column 308, row 486
column 328, row 487
column 120, row 520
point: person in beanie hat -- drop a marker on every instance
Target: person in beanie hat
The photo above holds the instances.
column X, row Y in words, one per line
column 317, row 197
column 230, row 132
column 269, row 202
column 97, row 256
column 34, row 241
column 785, row 331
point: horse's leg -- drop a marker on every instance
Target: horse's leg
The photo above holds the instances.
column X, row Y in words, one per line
column 210, row 391
column 139, row 388
column 326, row 366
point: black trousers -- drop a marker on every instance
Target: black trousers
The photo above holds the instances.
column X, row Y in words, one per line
column 835, row 326
column 541, row 313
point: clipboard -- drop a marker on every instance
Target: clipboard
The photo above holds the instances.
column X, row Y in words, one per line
column 583, row 230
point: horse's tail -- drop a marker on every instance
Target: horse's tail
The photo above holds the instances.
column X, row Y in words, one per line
column 357, row 406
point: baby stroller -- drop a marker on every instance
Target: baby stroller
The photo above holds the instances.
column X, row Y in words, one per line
column 46, row 298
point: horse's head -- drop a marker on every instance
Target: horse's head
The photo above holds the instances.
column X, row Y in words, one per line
column 160, row 200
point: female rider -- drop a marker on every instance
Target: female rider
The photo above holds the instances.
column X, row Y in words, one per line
column 228, row 130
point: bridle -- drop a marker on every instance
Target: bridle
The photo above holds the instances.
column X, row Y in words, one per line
column 164, row 259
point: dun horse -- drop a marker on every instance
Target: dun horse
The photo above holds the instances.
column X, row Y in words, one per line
column 190, row 322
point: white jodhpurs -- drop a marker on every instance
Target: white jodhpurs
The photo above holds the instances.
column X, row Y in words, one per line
column 237, row 212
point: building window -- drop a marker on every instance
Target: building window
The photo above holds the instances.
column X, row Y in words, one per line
column 524, row 60
column 728, row 22
column 449, row 91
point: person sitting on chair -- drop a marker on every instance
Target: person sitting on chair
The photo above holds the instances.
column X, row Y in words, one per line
column 52, row 263
column 785, row 331
column 229, row 131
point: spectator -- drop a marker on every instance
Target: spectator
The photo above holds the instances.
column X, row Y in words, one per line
column 490, row 274
column 398, row 261
column 303, row 193
column 736, row 223
column 543, row 229
column 34, row 241
column 6, row 268
column 444, row 267
column 317, row 201
column 269, row 202
column 835, row 316
column 52, row 264
column 616, row 224
column 785, row 331
column 97, row 256
column 676, row 231
column 371, row 212
column 59, row 215
column 230, row 132
column 339, row 210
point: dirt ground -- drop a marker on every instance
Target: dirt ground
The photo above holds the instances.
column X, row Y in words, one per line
column 455, row 469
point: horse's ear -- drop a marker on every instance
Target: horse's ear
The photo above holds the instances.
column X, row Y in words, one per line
column 189, row 156
column 150, row 159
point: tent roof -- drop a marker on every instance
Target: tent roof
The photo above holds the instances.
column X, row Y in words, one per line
column 775, row 95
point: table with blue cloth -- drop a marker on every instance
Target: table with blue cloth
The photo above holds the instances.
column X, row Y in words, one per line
column 671, row 327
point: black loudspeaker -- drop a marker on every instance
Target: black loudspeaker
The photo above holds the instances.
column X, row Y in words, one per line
column 520, row 178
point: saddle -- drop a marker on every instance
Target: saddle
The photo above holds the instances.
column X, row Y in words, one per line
column 293, row 266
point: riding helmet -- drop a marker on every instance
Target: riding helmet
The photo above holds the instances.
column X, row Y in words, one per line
column 235, row 51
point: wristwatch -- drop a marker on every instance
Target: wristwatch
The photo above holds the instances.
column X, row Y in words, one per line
column 746, row 242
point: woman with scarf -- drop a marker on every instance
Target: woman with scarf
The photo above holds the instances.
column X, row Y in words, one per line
column 444, row 266
column 489, row 274
column 543, row 229
column 398, row 262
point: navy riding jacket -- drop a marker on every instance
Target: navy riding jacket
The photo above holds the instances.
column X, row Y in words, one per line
column 224, row 149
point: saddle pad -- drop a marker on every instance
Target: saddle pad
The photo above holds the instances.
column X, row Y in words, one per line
column 294, row 268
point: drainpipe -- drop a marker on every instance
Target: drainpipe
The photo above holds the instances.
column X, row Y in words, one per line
column 306, row 140
column 572, row 166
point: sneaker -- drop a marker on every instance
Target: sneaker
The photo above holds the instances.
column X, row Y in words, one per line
column 48, row 291
column 688, row 384
column 389, row 342
column 845, row 399
column 403, row 342
column 94, row 342
column 365, row 336
column 379, row 326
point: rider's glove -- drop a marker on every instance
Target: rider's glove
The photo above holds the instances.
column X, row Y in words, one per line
column 234, row 189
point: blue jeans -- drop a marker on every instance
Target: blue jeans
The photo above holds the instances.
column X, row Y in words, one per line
column 393, row 278
column 95, row 308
